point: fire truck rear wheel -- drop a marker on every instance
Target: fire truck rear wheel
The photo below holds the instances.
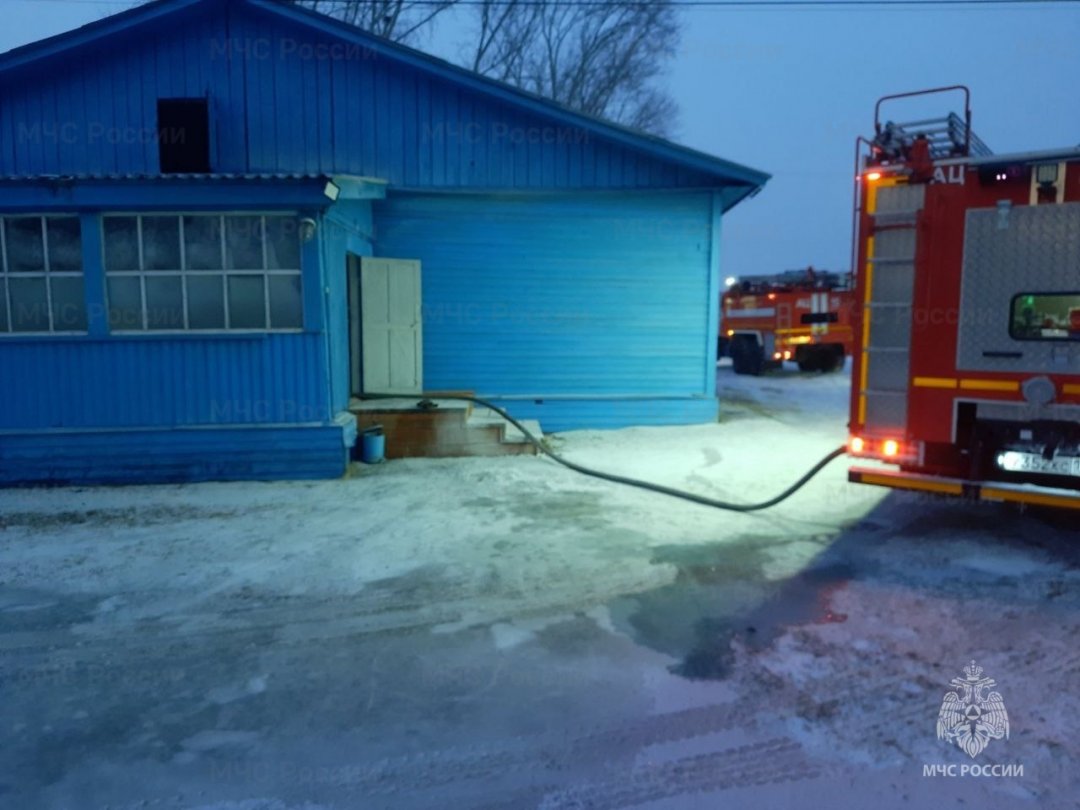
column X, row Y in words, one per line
column 809, row 358
column 825, row 359
column 832, row 358
column 747, row 356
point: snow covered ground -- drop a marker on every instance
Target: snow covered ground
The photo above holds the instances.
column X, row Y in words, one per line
column 503, row 633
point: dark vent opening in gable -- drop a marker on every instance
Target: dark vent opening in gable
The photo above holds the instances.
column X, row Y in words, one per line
column 183, row 135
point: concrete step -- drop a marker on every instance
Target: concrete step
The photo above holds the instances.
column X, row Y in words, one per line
column 510, row 434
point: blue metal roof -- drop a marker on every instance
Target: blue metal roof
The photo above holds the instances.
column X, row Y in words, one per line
column 200, row 177
column 741, row 181
column 47, row 192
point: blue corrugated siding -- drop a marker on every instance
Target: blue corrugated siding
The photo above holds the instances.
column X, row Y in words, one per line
column 277, row 106
column 162, row 381
column 104, row 457
column 556, row 415
column 597, row 296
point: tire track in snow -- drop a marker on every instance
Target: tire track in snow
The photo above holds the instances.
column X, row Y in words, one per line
column 318, row 621
column 552, row 752
column 770, row 762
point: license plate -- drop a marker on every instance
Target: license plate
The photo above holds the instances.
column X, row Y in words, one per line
column 1014, row 461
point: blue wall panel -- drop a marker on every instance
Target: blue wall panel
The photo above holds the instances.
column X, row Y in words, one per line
column 597, row 296
column 105, row 457
column 162, row 381
column 288, row 98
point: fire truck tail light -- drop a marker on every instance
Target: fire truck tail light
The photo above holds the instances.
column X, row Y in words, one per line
column 873, row 176
column 892, row 451
column 777, row 356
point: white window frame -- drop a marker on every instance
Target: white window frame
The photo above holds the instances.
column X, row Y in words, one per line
column 47, row 275
column 183, row 273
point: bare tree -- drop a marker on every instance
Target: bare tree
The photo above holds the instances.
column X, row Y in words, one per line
column 503, row 32
column 399, row 20
column 602, row 58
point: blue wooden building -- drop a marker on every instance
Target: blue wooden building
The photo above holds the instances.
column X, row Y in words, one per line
column 220, row 219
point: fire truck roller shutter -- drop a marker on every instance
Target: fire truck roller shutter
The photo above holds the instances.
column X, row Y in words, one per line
column 889, row 308
column 1008, row 252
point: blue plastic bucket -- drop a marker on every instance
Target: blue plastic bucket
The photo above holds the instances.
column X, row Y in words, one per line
column 372, row 445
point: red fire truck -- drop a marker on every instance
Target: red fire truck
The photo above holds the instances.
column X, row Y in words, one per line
column 966, row 377
column 800, row 315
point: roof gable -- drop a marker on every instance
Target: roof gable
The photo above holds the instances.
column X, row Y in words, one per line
column 505, row 92
column 157, row 11
column 327, row 93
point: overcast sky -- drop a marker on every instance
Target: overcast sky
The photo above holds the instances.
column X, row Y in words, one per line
column 787, row 91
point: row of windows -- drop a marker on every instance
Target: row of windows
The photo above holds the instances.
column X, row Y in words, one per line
column 205, row 301
column 164, row 272
column 200, row 242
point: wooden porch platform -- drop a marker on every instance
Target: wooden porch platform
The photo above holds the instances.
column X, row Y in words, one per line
column 451, row 429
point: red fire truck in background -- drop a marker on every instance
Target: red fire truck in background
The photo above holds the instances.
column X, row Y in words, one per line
column 800, row 315
column 966, row 376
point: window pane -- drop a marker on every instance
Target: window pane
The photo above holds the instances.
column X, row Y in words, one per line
column 121, row 244
column 164, row 303
column 25, row 250
column 65, row 244
column 161, row 243
column 202, row 242
column 282, row 243
column 3, row 305
column 243, row 243
column 206, row 302
column 68, row 305
column 29, row 306
column 286, row 310
column 125, row 303
column 247, row 306
column 1046, row 317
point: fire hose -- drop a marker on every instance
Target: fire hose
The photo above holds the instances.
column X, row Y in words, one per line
column 634, row 482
